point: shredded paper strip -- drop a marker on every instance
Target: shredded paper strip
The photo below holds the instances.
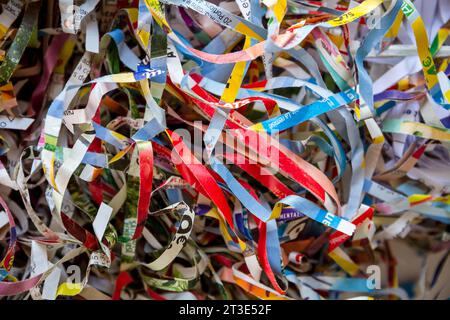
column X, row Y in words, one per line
column 215, row 150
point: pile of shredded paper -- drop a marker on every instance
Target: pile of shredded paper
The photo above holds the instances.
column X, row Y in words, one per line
column 208, row 149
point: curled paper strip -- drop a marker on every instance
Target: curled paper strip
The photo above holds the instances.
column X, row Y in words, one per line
column 200, row 149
